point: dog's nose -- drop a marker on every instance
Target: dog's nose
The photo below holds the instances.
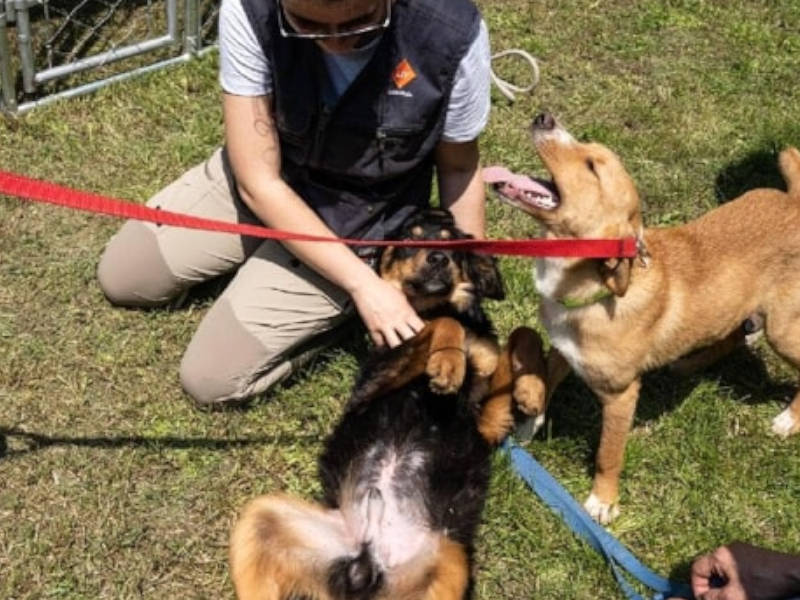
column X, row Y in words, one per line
column 437, row 258
column 544, row 121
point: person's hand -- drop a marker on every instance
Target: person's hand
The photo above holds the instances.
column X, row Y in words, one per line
column 715, row 576
column 388, row 316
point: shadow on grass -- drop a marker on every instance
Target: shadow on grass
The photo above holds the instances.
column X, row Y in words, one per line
column 353, row 344
column 575, row 413
column 349, row 336
column 743, row 372
column 37, row 441
column 758, row 169
column 681, row 571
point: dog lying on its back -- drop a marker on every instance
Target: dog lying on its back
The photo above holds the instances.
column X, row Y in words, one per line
column 406, row 470
column 690, row 289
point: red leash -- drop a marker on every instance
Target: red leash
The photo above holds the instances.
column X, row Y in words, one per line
column 42, row 191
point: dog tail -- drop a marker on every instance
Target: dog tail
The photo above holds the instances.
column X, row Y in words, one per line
column 281, row 547
column 789, row 162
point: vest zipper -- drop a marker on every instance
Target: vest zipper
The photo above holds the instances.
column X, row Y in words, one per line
column 322, row 125
column 381, row 136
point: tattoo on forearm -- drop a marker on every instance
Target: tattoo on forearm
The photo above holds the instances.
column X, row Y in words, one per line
column 264, row 127
column 262, row 121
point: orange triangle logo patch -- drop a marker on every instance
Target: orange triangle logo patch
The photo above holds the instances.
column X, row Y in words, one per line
column 403, row 74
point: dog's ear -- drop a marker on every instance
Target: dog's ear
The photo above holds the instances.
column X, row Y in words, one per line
column 482, row 271
column 616, row 274
column 383, row 258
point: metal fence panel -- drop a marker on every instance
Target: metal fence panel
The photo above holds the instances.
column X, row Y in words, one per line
column 208, row 20
column 7, row 93
column 52, row 49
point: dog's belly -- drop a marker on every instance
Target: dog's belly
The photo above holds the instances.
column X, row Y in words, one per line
column 406, row 469
column 387, row 509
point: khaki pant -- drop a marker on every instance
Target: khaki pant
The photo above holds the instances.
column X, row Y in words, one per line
column 272, row 316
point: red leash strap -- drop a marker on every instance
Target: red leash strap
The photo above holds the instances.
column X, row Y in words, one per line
column 42, row 191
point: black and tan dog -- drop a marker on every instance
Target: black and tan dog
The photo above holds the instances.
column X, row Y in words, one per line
column 690, row 290
column 406, row 470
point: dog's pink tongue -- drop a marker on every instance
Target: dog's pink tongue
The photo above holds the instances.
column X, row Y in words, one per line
column 515, row 186
column 500, row 175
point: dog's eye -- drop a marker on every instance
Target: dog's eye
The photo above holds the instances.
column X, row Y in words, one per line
column 590, row 164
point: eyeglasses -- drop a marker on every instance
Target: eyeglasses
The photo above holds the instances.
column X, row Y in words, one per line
column 314, row 30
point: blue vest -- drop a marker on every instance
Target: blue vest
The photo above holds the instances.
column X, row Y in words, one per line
column 366, row 162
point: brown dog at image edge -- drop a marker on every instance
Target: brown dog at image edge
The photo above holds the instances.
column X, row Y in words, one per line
column 687, row 297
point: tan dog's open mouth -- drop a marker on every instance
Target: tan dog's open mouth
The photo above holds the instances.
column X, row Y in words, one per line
column 521, row 191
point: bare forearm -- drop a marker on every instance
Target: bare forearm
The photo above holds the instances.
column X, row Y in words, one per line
column 463, row 194
column 461, row 185
column 766, row 574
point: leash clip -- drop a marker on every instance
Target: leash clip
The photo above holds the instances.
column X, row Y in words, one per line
column 641, row 252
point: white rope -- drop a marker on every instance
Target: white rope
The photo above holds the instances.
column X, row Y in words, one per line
column 506, row 88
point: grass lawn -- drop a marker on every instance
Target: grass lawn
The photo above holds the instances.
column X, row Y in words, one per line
column 113, row 486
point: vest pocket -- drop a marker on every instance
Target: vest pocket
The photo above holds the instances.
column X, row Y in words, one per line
column 293, row 130
column 399, row 144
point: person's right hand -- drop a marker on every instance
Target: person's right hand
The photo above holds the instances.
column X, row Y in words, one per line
column 388, row 316
column 715, row 576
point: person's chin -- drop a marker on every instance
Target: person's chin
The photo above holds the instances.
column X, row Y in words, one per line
column 339, row 49
column 362, row 43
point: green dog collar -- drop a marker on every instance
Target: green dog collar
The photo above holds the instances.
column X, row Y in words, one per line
column 570, row 302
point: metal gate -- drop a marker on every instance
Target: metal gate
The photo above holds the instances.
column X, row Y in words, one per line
column 51, row 49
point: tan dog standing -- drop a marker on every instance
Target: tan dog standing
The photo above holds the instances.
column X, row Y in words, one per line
column 691, row 287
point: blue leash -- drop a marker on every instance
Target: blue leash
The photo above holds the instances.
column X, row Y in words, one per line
column 622, row 562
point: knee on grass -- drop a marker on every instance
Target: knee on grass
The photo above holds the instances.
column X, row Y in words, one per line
column 225, row 364
column 132, row 271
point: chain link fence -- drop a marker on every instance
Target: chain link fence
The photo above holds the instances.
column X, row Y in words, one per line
column 51, row 49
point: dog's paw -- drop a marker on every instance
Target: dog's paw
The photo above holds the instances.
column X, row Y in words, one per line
column 495, row 427
column 446, row 368
column 483, row 356
column 485, row 366
column 600, row 511
column 785, row 424
column 529, row 394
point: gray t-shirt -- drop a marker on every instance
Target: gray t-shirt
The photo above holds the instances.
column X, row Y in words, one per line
column 245, row 71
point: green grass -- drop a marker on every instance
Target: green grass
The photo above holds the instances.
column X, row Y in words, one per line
column 113, row 486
